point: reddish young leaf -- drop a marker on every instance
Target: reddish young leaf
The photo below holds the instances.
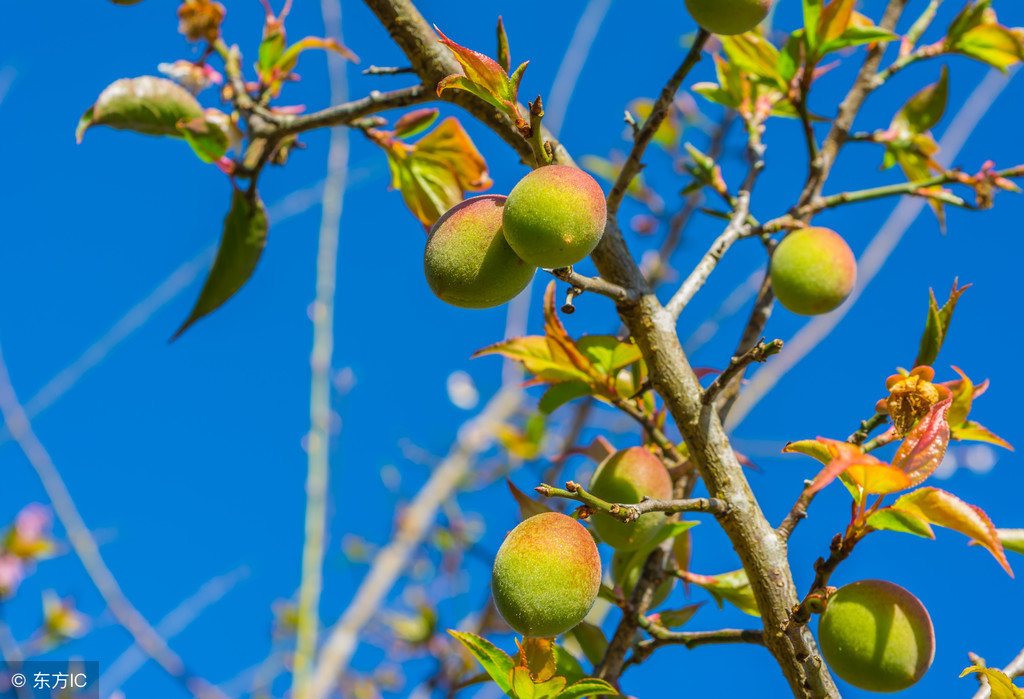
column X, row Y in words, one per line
column 504, row 57
column 946, row 510
column 535, row 354
column 925, row 446
column 484, row 77
column 562, row 346
column 414, row 122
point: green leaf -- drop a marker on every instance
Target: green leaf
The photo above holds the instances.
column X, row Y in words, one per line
column 812, row 16
column 973, row 432
column 946, row 510
column 790, row 56
column 591, row 639
column 924, row 110
column 207, row 139
column 504, row 57
column 937, row 325
column 147, row 105
column 857, row 36
column 567, row 666
column 270, row 52
column 892, row 520
column 588, row 688
column 637, row 559
column 992, row 44
column 731, row 587
column 520, row 683
column 496, row 662
column 608, row 353
column 1002, row 687
column 561, row 393
column 528, row 507
column 241, row 245
column 674, row 618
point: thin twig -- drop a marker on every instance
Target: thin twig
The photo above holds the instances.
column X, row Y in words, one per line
column 759, row 353
column 596, row 285
column 84, row 546
column 347, row 112
column 176, row 621
column 416, row 520
column 631, row 512
column 318, row 439
column 388, row 70
column 634, row 163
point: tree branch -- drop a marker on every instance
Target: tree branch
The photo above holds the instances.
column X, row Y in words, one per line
column 631, row 512
column 758, row 353
column 659, row 111
column 347, row 112
column 596, row 285
column 319, row 436
column 415, row 521
column 84, row 546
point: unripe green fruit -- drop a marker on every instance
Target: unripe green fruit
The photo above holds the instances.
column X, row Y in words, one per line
column 468, row 263
column 546, row 575
column 625, row 478
column 728, row 16
column 876, row 636
column 555, row 216
column 627, row 579
column 813, row 270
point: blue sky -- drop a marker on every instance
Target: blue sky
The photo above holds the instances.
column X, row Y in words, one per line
column 186, row 460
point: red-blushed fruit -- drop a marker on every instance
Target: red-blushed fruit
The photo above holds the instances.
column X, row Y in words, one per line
column 555, row 216
column 877, row 636
column 626, row 578
column 625, row 478
column 467, row 261
column 546, row 575
column 728, row 17
column 813, row 270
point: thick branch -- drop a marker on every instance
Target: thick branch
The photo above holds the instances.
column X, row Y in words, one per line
column 631, row 513
column 659, row 111
column 763, row 555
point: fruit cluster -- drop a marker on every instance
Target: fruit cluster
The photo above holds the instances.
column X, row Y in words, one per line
column 484, row 251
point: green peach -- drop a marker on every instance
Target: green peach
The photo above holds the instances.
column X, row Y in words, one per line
column 813, row 270
column 626, row 578
column 555, row 216
column 877, row 636
column 728, row 16
column 468, row 263
column 546, row 575
column 626, row 477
